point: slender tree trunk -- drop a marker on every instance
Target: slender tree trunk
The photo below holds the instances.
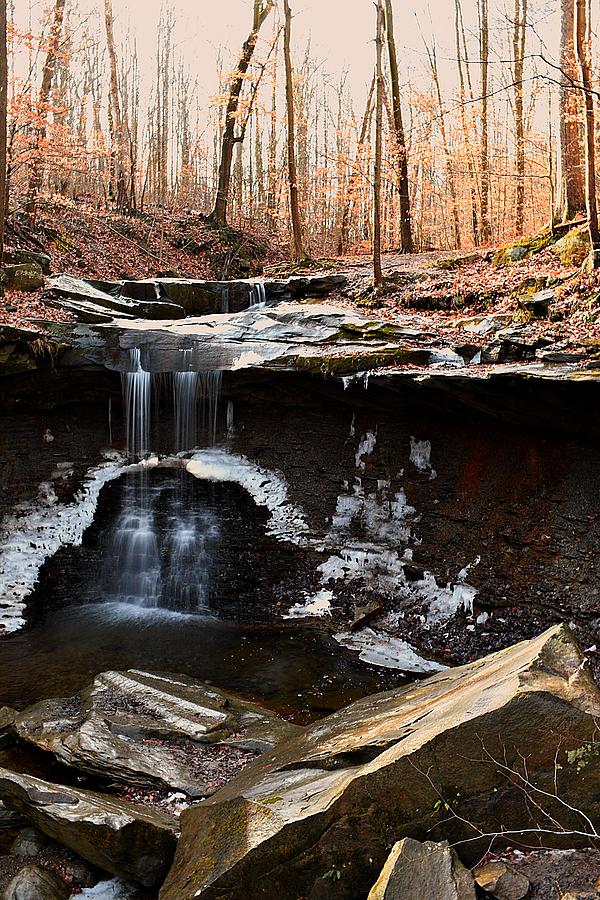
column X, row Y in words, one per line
column 442, row 123
column 377, row 270
column 484, row 47
column 356, row 171
column 519, row 40
column 35, row 173
column 3, row 121
column 118, row 129
column 262, row 8
column 403, row 182
column 460, row 41
column 582, row 45
column 297, row 246
column 571, row 190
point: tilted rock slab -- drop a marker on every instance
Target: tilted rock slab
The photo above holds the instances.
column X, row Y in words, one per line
column 340, row 794
column 414, row 871
column 123, row 838
column 129, row 726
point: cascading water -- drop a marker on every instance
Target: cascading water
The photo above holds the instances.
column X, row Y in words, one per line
column 185, row 404
column 137, row 399
column 157, row 558
column 258, row 296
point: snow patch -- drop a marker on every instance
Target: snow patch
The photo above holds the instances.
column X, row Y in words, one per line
column 365, row 448
column 247, row 360
column 267, row 488
column 383, row 650
column 115, row 889
column 420, row 456
column 33, row 532
column 317, row 605
column 438, row 358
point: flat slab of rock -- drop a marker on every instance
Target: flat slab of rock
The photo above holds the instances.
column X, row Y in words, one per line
column 140, row 728
column 122, row 838
column 414, row 871
column 375, row 772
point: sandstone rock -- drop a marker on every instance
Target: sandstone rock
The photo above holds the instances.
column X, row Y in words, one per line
column 30, row 842
column 414, row 871
column 122, row 838
column 17, row 257
column 23, row 277
column 573, row 248
column 35, row 883
column 142, row 728
column 501, row 880
column 376, row 770
column 97, row 301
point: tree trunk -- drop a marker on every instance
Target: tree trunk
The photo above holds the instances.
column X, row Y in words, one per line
column 262, row 8
column 35, row 174
column 460, row 41
column 377, row 270
column 571, row 190
column 403, row 183
column 297, row 246
column 583, row 39
column 3, row 121
column 519, row 38
column 117, row 118
column 484, row 47
column 356, row 171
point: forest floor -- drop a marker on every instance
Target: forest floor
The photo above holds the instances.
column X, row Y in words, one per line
column 435, row 292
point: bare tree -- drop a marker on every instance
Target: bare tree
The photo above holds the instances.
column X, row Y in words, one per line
column 582, row 45
column 484, row 53
column 3, row 121
column 519, row 40
column 571, row 190
column 117, row 115
column 402, row 162
column 262, row 8
column 377, row 270
column 297, row 246
column 35, row 172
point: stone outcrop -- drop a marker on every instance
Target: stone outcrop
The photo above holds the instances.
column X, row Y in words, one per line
column 414, row 871
column 172, row 298
column 26, row 276
column 128, row 840
column 375, row 772
column 141, row 728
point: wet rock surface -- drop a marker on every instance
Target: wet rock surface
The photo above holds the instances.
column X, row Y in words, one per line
column 167, row 730
column 378, row 768
column 127, row 840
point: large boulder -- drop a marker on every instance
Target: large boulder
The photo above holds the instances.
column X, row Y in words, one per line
column 35, row 883
column 163, row 729
column 23, row 277
column 573, row 248
column 15, row 256
column 388, row 767
column 123, row 838
column 414, row 871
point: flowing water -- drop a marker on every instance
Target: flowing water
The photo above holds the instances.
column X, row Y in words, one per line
column 258, row 296
column 166, row 566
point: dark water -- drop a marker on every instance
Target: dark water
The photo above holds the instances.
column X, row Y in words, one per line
column 300, row 672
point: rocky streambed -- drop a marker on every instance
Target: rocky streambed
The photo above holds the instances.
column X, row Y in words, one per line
column 223, row 535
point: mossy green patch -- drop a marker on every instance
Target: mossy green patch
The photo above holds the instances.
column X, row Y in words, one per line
column 361, row 361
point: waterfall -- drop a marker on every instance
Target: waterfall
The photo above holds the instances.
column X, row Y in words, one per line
column 161, row 552
column 211, row 393
column 137, row 397
column 162, row 549
column 258, row 295
column 185, row 404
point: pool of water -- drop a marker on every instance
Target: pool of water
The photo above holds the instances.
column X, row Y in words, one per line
column 300, row 672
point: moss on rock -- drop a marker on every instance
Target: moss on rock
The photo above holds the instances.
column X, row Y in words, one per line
column 573, row 248
column 511, row 253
